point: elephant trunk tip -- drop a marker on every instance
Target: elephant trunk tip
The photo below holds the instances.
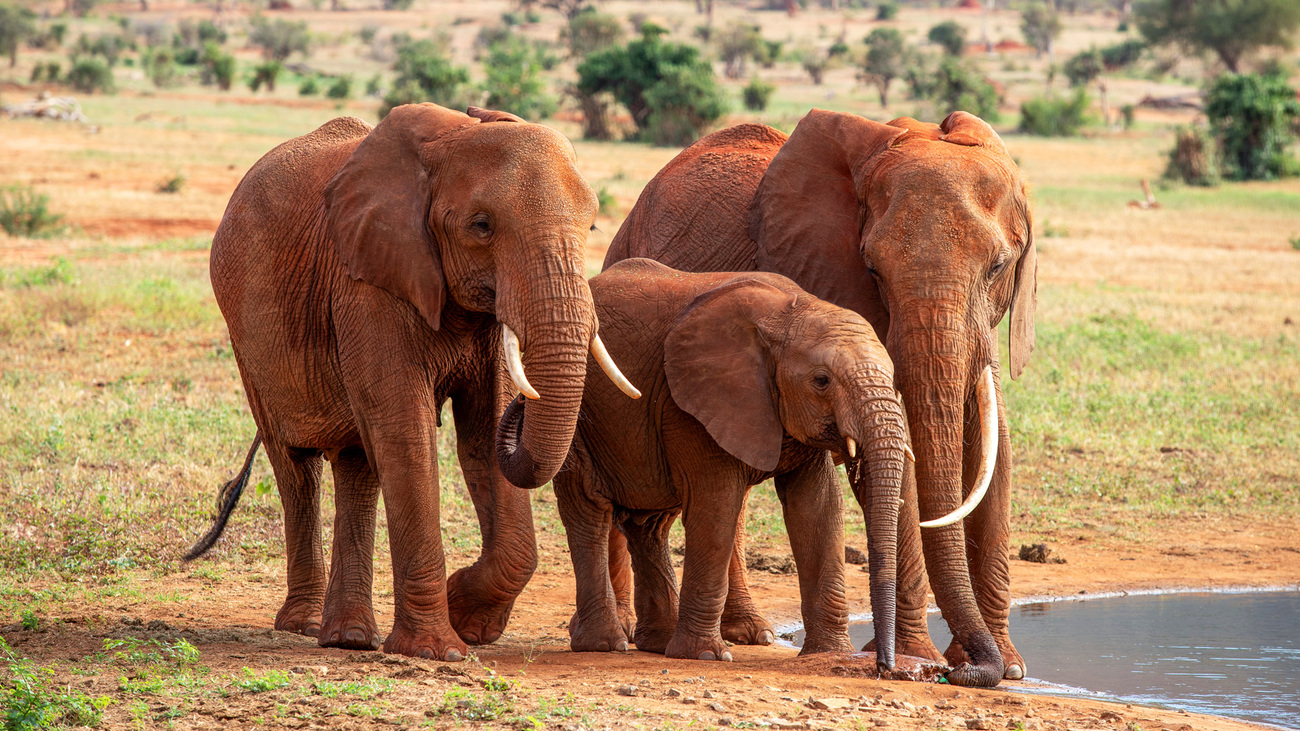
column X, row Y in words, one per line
column 513, row 457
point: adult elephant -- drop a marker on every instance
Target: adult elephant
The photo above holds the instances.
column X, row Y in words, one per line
column 925, row 231
column 368, row 275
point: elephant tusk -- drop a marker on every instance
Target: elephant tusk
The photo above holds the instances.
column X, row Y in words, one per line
column 510, row 342
column 853, row 447
column 988, row 405
column 607, row 364
column 907, row 452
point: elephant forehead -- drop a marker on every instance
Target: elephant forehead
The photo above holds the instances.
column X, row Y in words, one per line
column 526, row 161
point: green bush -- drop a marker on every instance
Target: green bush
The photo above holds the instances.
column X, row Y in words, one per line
column 160, row 65
column 17, row 24
column 1254, row 117
column 173, row 183
column 25, row 212
column 757, row 93
column 737, row 43
column 514, row 78
column 32, row 700
column 309, row 86
column 89, row 75
column 424, row 74
column 279, row 39
column 265, row 74
column 1084, row 66
column 590, row 31
column 1194, row 158
column 954, row 86
column 50, row 72
column 886, row 11
column 950, row 36
column 218, row 67
column 109, row 47
column 1054, row 116
column 669, row 90
column 769, row 53
column 1122, row 54
column 398, row 4
column 340, row 88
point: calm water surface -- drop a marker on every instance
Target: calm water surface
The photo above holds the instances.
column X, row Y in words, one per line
column 1230, row 654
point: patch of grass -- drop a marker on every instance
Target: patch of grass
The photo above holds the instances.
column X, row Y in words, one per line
column 31, row 701
column 26, row 212
column 367, row 689
column 252, row 682
column 133, row 651
column 57, row 272
column 465, row 705
column 174, row 183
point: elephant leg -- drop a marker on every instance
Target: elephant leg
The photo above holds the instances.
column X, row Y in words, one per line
column 620, row 578
column 595, row 625
column 297, row 475
column 348, row 620
column 989, row 540
column 813, row 507
column 710, row 521
column 742, row 623
column 656, row 583
column 481, row 596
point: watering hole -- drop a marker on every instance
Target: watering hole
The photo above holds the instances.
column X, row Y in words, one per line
column 1229, row 654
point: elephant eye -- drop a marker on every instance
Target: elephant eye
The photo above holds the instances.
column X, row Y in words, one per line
column 998, row 266
column 821, row 381
column 871, row 269
column 480, row 225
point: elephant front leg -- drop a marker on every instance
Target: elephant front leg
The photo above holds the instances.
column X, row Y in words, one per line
column 710, row 523
column 742, row 623
column 912, row 632
column 482, row 595
column 297, row 475
column 595, row 626
column 656, row 583
column 814, row 517
column 348, row 620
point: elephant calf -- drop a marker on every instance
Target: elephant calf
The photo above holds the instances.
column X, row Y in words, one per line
column 746, row 377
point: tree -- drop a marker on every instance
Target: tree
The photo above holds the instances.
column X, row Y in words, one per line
column 1084, row 66
column 886, row 59
column 736, row 43
column 1254, row 118
column 514, row 83
column 1041, row 26
column 951, row 36
column 1229, row 28
column 280, row 39
column 424, row 74
column 591, row 31
column 17, row 24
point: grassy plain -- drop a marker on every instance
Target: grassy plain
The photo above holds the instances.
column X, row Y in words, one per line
column 1159, row 418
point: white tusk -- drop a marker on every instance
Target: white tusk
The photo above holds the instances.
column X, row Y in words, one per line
column 988, row 405
column 510, row 342
column 907, row 452
column 607, row 364
column 853, row 447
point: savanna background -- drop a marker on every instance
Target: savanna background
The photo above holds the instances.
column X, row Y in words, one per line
column 1155, row 430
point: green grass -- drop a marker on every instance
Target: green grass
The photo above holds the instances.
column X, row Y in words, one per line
column 31, row 700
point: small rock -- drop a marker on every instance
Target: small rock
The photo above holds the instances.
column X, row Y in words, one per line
column 688, row 680
column 628, row 690
column 707, row 694
column 977, row 723
column 854, row 556
column 689, row 700
column 674, row 693
column 1111, row 716
column 1038, row 553
column 880, row 722
column 643, row 683
column 831, row 704
column 717, row 707
column 726, row 721
column 309, row 670
column 664, row 671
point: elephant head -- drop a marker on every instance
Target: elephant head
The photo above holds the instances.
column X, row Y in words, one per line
column 925, row 230
column 757, row 359
column 480, row 213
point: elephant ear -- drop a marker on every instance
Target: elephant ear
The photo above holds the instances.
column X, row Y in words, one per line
column 377, row 208
column 1024, row 297
column 807, row 217
column 491, row 115
column 720, row 369
column 964, row 128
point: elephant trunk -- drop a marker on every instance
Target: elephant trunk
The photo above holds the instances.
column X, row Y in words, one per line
column 933, row 373
column 877, row 478
column 556, row 333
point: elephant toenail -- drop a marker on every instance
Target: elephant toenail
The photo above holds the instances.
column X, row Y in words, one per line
column 726, row 657
column 1014, row 672
column 427, row 654
column 621, row 646
column 602, row 646
column 765, row 638
column 453, row 655
column 708, row 655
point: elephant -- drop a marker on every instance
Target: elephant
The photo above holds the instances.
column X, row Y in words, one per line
column 367, row 275
column 924, row 230
column 747, row 378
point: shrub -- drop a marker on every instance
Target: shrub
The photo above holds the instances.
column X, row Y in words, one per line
column 737, row 43
column 1122, row 54
column 757, row 93
column 1129, row 113
column 110, row 48
column 1229, row 28
column 309, row 86
column 340, row 88
column 265, row 74
column 51, row 72
column 279, row 39
column 218, row 67
column 172, row 184
column 514, row 78
column 954, row 86
column 606, row 201
column 89, row 75
column 1192, row 160
column 25, row 212
column 1254, row 117
column 590, row 31
column 950, row 36
column 1084, row 66
column 160, row 65
column 814, row 63
column 886, row 11
column 669, row 90
column 1040, row 25
column 31, row 700
column 1054, row 117
column 373, row 85
column 398, row 4
column 17, row 24
column 424, row 74
column 769, row 53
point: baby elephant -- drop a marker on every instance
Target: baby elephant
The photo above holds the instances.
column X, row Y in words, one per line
column 745, row 377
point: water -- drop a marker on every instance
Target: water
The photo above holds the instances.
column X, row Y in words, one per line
column 1229, row 654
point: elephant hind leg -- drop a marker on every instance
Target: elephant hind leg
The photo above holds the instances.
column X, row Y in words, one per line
column 742, row 624
column 348, row 619
column 297, row 476
column 655, row 597
column 620, row 578
column 595, row 625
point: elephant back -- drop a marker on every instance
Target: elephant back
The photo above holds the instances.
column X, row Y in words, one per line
column 693, row 215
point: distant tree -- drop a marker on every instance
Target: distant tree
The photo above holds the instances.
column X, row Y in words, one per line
column 886, row 60
column 279, row 39
column 89, row 74
column 1124, row 53
column 757, row 94
column 424, row 74
column 737, row 43
column 1229, row 28
column 1041, row 26
column 954, row 86
column 886, row 10
column 590, row 31
column 515, row 83
column 79, row 8
column 1254, row 117
column 951, row 36
column 1084, row 66
column 814, row 62
column 17, row 24
column 567, row 8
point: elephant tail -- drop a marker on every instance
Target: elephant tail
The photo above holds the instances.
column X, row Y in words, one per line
column 227, row 499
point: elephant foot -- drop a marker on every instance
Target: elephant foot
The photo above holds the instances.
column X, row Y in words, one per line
column 827, row 643
column 648, row 638
column 698, row 648
column 968, row 674
column 350, row 629
column 429, row 645
column 478, row 612
column 747, row 627
column 626, row 619
column 1012, row 661
column 922, row 647
column 595, row 635
column 300, row 616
